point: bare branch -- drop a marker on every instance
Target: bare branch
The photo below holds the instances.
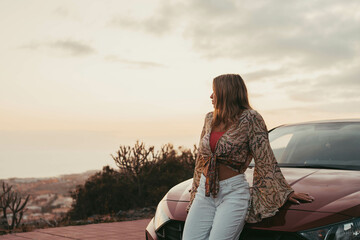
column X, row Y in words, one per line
column 13, row 201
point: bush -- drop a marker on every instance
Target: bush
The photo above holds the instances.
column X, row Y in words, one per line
column 142, row 180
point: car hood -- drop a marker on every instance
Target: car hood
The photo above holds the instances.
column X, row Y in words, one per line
column 335, row 191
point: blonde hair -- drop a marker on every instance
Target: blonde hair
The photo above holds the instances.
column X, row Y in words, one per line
column 231, row 99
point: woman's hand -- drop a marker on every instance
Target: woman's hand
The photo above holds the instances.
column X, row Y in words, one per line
column 300, row 196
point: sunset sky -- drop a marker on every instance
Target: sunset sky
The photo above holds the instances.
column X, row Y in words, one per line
column 80, row 78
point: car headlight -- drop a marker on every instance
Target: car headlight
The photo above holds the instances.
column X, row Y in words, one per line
column 160, row 215
column 349, row 230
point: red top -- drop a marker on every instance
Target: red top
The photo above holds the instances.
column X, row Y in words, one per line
column 214, row 137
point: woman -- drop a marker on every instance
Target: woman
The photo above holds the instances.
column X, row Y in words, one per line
column 221, row 199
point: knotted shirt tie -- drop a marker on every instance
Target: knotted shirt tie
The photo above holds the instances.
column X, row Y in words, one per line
column 212, row 175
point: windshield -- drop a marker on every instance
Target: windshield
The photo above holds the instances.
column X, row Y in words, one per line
column 320, row 145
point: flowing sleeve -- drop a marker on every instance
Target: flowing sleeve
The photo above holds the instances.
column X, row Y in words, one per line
column 270, row 190
column 198, row 168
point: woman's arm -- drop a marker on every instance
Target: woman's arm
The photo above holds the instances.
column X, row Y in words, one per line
column 265, row 158
column 198, row 168
column 270, row 190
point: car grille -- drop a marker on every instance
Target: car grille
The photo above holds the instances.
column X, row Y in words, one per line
column 173, row 230
column 255, row 234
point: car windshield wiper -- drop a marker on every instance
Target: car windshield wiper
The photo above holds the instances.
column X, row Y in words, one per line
column 324, row 166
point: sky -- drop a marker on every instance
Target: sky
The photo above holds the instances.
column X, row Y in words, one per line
column 81, row 78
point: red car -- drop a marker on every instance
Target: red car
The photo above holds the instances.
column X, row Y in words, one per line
column 321, row 158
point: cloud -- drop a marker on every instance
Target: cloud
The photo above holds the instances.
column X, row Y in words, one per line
column 158, row 24
column 340, row 107
column 62, row 11
column 313, row 35
column 337, row 88
column 307, row 50
column 265, row 74
column 311, row 96
column 347, row 77
column 315, row 110
column 72, row 47
column 272, row 31
column 136, row 64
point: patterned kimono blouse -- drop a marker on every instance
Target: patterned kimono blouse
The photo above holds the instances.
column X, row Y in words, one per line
column 247, row 138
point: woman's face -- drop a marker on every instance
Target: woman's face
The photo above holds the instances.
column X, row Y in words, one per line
column 213, row 98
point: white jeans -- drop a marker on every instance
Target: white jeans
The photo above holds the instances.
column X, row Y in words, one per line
column 222, row 217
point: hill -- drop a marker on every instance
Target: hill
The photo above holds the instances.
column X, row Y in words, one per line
column 49, row 197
